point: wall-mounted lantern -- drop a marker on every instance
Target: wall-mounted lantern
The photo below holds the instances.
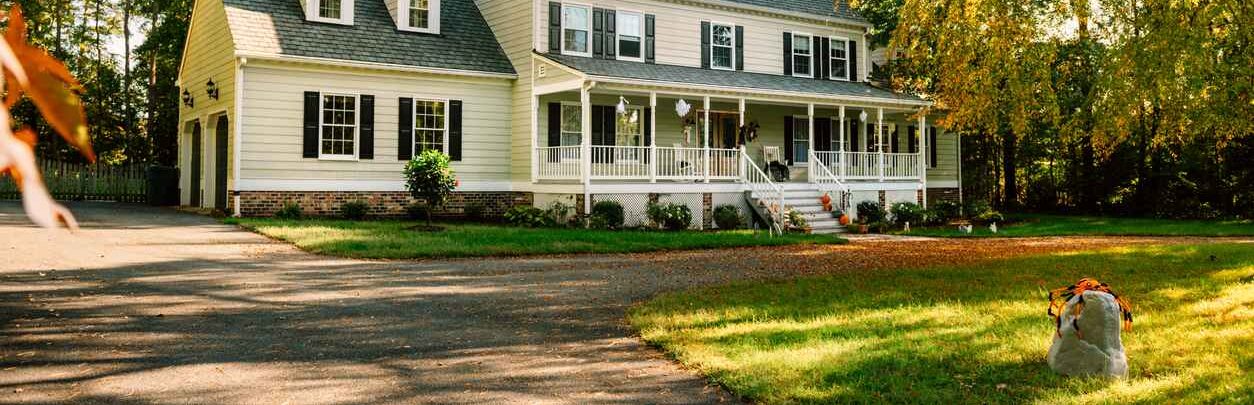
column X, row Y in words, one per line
column 212, row 89
column 187, row 99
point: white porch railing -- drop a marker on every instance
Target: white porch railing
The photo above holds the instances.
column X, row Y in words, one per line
column 620, row 162
column 867, row 165
column 822, row 177
column 558, row 163
column 765, row 190
column 680, row 163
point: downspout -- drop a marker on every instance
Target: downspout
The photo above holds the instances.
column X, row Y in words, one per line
column 239, row 130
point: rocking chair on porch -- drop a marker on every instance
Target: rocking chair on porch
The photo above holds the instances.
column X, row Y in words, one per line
column 775, row 167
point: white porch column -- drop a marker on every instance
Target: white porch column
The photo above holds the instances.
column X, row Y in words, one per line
column 743, row 146
column 923, row 145
column 840, row 157
column 585, row 142
column 810, row 142
column 705, row 136
column 653, row 137
column 535, row 133
column 879, row 139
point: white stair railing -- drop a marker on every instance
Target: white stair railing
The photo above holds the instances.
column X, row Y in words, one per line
column 827, row 182
column 763, row 189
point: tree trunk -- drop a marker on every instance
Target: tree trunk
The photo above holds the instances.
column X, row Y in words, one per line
column 152, row 78
column 1010, row 193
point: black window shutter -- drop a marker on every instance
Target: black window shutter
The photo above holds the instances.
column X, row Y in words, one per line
column 555, row 27
column 788, row 138
column 609, row 132
column 598, row 33
column 555, row 129
column 648, row 38
column 611, row 40
column 365, row 150
column 816, row 53
column 787, row 54
column 894, row 142
column 648, row 127
column 455, row 130
column 825, row 59
column 853, row 61
column 312, row 117
column 822, row 134
column 705, row 44
column 405, row 126
column 740, row 47
column 911, row 138
column 872, row 139
column 852, row 133
column 931, row 145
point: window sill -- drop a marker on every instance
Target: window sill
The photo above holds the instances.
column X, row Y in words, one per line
column 432, row 31
column 338, row 158
column 340, row 21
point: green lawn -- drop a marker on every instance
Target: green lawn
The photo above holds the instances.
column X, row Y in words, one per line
column 970, row 334
column 1063, row 225
column 391, row 239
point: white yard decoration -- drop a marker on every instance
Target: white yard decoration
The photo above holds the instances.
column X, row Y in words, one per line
column 1088, row 343
column 992, row 227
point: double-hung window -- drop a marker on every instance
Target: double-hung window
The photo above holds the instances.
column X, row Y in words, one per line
column 630, row 31
column 330, row 11
column 430, row 125
column 338, row 132
column 629, row 131
column 839, row 59
column 802, row 55
column 800, row 140
column 722, row 47
column 576, row 24
column 420, row 16
column 572, row 124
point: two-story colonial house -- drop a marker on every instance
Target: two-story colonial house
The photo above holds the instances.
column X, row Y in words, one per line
column 757, row 103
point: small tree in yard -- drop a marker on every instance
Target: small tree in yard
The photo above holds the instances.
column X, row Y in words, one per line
column 429, row 178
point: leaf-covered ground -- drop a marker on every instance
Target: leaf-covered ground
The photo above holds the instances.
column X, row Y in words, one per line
column 1068, row 225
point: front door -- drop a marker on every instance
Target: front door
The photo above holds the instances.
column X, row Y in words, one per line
column 219, row 164
column 193, row 187
column 724, row 131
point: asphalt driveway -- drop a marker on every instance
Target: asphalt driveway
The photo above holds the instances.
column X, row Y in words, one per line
column 147, row 305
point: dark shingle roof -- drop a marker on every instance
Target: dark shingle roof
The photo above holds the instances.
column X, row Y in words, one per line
column 692, row 75
column 825, row 8
column 278, row 27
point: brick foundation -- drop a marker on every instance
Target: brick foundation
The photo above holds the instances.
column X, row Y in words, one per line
column 382, row 204
column 707, row 211
column 942, row 194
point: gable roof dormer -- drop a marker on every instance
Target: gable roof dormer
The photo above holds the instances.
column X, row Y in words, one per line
column 416, row 15
column 329, row 11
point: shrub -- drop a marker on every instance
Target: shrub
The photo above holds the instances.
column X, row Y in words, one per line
column 415, row 211
column 871, row 212
column 526, row 216
column 728, row 216
column 795, row 220
column 290, row 210
column 429, row 178
column 944, row 211
column 975, row 208
column 607, row 214
column 670, row 216
column 354, row 210
column 990, row 216
column 904, row 212
column 559, row 214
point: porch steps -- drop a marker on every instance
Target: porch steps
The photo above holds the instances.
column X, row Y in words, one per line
column 807, row 203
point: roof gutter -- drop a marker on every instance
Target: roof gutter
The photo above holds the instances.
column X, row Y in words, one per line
column 373, row 65
column 807, row 16
column 864, row 99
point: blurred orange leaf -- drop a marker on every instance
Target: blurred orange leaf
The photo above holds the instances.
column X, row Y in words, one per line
column 49, row 84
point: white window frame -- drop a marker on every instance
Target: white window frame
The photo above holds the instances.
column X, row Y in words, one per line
column 618, row 34
column 587, row 30
column 562, row 119
column 433, row 16
column 831, row 59
column 805, row 157
column 346, row 12
column 640, row 129
column 792, row 53
column 356, row 126
column 731, row 48
column 413, row 113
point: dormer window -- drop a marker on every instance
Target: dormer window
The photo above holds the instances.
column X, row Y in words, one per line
column 420, row 16
column 329, row 11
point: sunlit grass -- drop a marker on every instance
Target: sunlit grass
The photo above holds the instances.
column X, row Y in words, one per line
column 969, row 334
column 1064, row 225
column 393, row 239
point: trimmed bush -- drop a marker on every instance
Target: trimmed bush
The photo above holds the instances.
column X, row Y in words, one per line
column 944, row 211
column 989, row 217
column 871, row 212
column 354, row 210
column 607, row 214
column 526, row 216
column 795, row 220
column 561, row 214
column 429, row 178
column 670, row 216
column 904, row 212
column 728, row 216
column 290, row 210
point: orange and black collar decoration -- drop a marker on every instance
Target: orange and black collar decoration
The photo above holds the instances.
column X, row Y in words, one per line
column 1058, row 301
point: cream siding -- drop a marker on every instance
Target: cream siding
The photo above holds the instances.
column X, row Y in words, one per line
column 678, row 32
column 510, row 21
column 209, row 54
column 273, row 134
column 946, row 158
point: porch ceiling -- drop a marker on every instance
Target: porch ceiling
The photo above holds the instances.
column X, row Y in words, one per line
column 684, row 75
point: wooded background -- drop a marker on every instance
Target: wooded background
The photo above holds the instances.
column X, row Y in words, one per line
column 1136, row 107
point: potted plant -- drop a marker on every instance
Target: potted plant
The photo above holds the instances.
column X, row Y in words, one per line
column 863, row 228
